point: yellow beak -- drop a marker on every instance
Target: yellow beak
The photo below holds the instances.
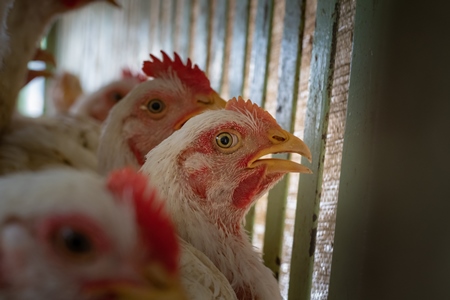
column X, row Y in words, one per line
column 282, row 142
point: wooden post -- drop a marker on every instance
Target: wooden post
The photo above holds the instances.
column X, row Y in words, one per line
column 291, row 49
column 316, row 122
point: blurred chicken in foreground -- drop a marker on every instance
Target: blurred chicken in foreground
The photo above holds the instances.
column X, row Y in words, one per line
column 71, row 235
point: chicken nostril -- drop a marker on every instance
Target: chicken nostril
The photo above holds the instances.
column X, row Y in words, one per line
column 278, row 138
column 204, row 101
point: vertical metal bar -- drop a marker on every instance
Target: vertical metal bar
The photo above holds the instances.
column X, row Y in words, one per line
column 219, row 26
column 286, row 105
column 236, row 72
column 315, row 135
column 259, row 63
column 200, row 56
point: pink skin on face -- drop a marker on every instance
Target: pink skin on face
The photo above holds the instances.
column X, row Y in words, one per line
column 252, row 181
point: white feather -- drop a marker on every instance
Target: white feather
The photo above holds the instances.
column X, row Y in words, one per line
column 33, row 144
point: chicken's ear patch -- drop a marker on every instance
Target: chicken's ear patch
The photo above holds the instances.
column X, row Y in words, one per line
column 158, row 233
column 247, row 106
column 127, row 73
column 190, row 75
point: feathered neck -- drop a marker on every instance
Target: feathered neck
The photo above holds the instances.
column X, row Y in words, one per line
column 232, row 253
column 113, row 152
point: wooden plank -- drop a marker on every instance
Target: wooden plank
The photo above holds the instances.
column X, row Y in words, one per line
column 217, row 52
column 259, row 62
column 285, row 115
column 183, row 38
column 236, row 73
column 200, row 56
column 155, row 19
column 315, row 134
column 166, row 28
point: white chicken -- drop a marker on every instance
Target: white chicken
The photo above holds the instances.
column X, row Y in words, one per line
column 86, row 239
column 153, row 110
column 211, row 172
column 199, row 276
column 33, row 144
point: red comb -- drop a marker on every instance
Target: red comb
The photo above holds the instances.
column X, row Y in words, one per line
column 158, row 232
column 127, row 73
column 191, row 76
column 247, row 106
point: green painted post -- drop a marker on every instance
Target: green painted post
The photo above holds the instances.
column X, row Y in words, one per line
column 259, row 63
column 316, row 121
column 291, row 49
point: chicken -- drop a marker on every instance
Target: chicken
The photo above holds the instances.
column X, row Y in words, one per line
column 199, row 277
column 22, row 45
column 98, row 104
column 211, row 172
column 74, row 235
column 34, row 144
column 153, row 110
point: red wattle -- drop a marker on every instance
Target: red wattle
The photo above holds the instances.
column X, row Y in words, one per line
column 248, row 188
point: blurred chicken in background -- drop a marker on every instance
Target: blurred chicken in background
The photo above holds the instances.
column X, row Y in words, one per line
column 154, row 110
column 67, row 96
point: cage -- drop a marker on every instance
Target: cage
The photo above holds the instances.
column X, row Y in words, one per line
column 258, row 49
column 317, row 66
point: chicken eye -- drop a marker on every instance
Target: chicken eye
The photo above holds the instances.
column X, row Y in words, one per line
column 73, row 244
column 117, row 96
column 226, row 140
column 156, row 106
